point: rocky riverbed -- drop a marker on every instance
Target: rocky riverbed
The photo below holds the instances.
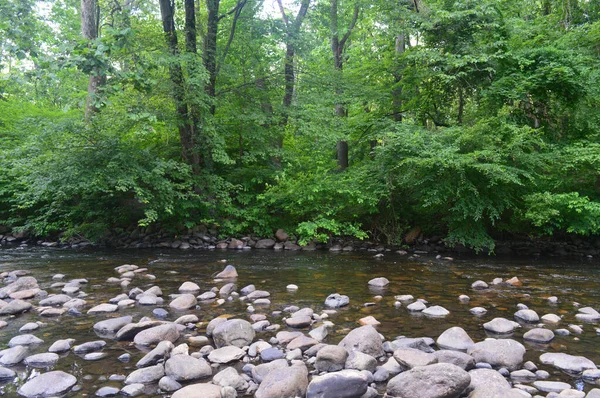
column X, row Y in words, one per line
column 167, row 327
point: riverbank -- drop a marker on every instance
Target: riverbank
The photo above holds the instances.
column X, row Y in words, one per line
column 203, row 238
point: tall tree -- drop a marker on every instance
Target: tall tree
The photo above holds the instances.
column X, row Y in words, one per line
column 338, row 47
column 292, row 30
column 90, row 17
column 187, row 119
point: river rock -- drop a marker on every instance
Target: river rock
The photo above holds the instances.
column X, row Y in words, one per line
column 229, row 377
column 75, row 303
column 189, row 287
column 319, row 333
column 148, row 375
column 258, row 294
column 7, row 374
column 360, row 361
column 455, row 338
column 156, row 334
column 168, row 384
column 207, row 296
column 551, row 386
column 299, row 322
column 48, row 384
column 336, row 300
column 364, row 339
column 567, row 363
column 60, row 346
column 347, row 383
column 133, row 390
column 479, row 285
column 24, row 339
column 158, row 354
column 440, row 380
column 183, row 302
column 458, row 358
column 13, row 355
column 264, row 244
column 228, row 273
column 500, row 326
column 539, row 335
column 226, row 354
column 487, row 378
column 331, row 358
column 185, row 319
column 23, row 283
column 185, row 368
column 54, row 300
column 287, row 382
column 15, row 307
column 200, row 390
column 103, row 308
column 436, row 311
column 526, row 315
column 409, row 358
column 89, row 346
column 302, row 342
column 417, row 306
column 29, row 327
column 236, row 332
column 43, row 360
column 506, row 353
column 379, row 282
column 478, row 311
column 112, row 325
column 52, row 312
column 107, row 392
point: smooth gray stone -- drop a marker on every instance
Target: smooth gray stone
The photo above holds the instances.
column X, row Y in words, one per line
column 48, row 384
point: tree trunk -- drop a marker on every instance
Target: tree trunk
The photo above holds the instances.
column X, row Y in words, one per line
column 337, row 49
column 188, row 150
column 89, row 31
column 397, row 89
column 210, row 49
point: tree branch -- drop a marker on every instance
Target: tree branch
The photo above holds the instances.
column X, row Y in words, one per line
column 234, row 9
column 301, row 14
column 283, row 16
column 236, row 16
column 350, row 28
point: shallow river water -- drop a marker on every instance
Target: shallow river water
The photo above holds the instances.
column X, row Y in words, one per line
column 317, row 275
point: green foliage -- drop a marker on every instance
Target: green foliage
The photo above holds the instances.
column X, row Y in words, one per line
column 484, row 123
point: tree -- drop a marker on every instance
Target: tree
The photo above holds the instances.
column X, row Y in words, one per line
column 338, row 47
column 90, row 17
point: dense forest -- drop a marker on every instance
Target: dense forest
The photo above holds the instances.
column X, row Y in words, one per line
column 470, row 120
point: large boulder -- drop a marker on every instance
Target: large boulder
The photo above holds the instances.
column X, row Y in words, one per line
column 364, row 339
column 287, row 382
column 506, row 353
column 237, row 332
column 347, row 383
column 441, row 380
column 157, row 334
column 455, row 338
column 48, row 384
